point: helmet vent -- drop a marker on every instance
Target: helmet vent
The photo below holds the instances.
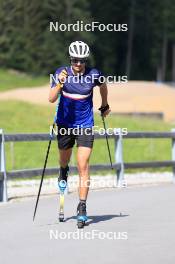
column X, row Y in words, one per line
column 75, row 48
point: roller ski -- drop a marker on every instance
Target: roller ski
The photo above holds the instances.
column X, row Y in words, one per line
column 62, row 184
column 81, row 215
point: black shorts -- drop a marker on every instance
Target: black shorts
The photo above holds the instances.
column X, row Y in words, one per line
column 67, row 136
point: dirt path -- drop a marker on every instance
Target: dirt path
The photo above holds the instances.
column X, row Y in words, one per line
column 131, row 97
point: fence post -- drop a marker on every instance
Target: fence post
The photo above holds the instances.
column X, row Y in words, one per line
column 3, row 182
column 119, row 159
column 173, row 153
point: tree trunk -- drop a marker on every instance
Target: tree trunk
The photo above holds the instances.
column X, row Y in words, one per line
column 159, row 74
column 173, row 64
column 130, row 39
column 164, row 56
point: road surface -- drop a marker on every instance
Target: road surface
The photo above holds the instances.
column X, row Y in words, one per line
column 130, row 225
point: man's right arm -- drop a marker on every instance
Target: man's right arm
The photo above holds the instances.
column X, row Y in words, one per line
column 53, row 94
column 54, row 91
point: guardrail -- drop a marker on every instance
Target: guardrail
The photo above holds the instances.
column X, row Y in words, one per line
column 119, row 164
column 155, row 115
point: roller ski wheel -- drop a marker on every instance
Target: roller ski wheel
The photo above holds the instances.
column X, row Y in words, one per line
column 81, row 222
column 61, row 217
column 81, row 215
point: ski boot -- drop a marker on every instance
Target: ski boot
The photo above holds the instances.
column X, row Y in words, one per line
column 81, row 215
column 62, row 179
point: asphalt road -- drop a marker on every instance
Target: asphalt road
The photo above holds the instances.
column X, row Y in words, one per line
column 132, row 225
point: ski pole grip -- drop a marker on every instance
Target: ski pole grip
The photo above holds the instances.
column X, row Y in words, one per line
column 103, row 109
column 60, row 82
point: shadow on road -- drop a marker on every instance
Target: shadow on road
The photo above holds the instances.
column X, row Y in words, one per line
column 92, row 219
column 98, row 218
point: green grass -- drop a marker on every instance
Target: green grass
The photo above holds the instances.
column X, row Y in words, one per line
column 18, row 117
column 10, row 79
column 137, row 150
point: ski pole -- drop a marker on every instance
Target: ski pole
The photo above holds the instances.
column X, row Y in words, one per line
column 48, row 149
column 107, row 142
column 43, row 172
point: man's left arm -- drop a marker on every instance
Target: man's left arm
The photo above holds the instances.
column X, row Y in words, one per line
column 104, row 100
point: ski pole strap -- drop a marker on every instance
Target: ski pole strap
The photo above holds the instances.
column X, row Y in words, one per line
column 103, row 109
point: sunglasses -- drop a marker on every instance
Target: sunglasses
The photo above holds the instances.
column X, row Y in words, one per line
column 81, row 61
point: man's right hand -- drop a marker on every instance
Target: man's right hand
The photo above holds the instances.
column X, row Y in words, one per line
column 53, row 94
column 62, row 76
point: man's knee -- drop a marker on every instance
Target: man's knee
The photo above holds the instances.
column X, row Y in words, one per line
column 82, row 166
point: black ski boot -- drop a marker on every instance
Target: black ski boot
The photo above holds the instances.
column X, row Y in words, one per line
column 81, row 214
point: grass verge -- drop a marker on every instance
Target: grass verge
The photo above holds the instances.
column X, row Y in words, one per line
column 19, row 117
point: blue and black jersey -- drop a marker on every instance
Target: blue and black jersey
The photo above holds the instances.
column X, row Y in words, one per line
column 76, row 105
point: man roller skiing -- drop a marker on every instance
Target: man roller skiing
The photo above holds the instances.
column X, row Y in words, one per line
column 75, row 110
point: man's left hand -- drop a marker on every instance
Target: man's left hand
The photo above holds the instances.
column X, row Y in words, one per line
column 105, row 110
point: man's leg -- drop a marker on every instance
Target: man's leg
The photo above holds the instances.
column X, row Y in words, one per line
column 65, row 155
column 83, row 156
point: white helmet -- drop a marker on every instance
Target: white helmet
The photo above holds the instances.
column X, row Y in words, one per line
column 79, row 49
